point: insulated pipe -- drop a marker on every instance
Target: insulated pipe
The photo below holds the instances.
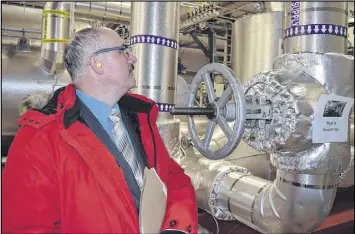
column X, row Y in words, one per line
column 154, row 39
column 292, row 203
column 30, row 18
column 55, row 35
column 117, row 10
column 319, row 27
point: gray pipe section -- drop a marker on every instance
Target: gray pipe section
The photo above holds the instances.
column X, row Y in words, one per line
column 55, row 36
column 117, row 11
column 27, row 17
column 327, row 23
column 256, row 42
column 31, row 18
column 292, row 203
column 156, row 68
column 21, row 75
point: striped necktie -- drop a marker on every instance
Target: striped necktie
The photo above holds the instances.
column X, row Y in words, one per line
column 122, row 142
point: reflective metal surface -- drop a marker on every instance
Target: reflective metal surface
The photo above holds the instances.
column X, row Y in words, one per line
column 84, row 12
column 156, row 64
column 347, row 177
column 170, row 132
column 334, row 13
column 117, row 11
column 55, row 36
column 25, row 17
column 274, row 6
column 182, row 92
column 254, row 47
column 294, row 94
column 22, row 75
column 293, row 203
column 335, row 72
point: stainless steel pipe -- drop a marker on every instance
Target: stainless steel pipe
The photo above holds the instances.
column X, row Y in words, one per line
column 319, row 27
column 154, row 38
column 55, row 36
column 293, row 203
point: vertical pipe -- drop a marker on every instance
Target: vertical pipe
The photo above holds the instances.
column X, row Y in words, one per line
column 154, row 38
column 319, row 27
column 55, row 35
column 256, row 42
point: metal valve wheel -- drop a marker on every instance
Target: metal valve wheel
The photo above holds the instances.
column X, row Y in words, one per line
column 218, row 111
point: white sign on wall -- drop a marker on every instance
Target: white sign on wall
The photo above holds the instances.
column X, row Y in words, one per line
column 331, row 119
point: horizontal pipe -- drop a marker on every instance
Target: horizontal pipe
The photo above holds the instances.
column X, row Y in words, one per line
column 21, row 15
column 192, row 111
column 292, row 203
column 20, row 30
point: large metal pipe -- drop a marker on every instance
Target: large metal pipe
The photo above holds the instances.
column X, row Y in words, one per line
column 109, row 12
column 293, row 203
column 21, row 75
column 302, row 195
column 154, row 38
column 256, row 42
column 117, row 12
column 319, row 27
column 114, row 11
column 55, row 36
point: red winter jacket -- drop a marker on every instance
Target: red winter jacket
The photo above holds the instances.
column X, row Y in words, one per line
column 60, row 178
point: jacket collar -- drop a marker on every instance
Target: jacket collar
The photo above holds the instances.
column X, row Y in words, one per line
column 65, row 99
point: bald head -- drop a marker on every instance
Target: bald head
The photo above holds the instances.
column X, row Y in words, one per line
column 84, row 43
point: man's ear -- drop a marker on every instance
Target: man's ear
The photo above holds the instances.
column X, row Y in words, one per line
column 96, row 65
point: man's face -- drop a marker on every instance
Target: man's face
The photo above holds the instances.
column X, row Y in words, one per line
column 119, row 65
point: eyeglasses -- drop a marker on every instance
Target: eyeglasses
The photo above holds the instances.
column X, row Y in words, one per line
column 125, row 48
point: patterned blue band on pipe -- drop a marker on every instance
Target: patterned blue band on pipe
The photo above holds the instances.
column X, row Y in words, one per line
column 164, row 107
column 151, row 39
column 310, row 29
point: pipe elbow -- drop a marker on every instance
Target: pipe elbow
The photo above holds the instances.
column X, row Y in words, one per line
column 295, row 203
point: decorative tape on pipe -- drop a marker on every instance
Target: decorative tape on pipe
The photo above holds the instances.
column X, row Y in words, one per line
column 56, row 12
column 54, row 40
column 164, row 107
column 152, row 39
column 318, row 29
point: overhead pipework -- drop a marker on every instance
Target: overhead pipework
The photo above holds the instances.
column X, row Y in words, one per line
column 55, row 36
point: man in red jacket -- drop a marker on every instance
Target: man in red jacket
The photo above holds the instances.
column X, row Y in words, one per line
column 68, row 171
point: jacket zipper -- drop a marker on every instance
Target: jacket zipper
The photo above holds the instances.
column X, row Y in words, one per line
column 151, row 133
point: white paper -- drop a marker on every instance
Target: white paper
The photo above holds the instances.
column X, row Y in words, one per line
column 331, row 119
column 152, row 203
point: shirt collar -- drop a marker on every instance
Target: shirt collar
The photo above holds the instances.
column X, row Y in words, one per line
column 100, row 109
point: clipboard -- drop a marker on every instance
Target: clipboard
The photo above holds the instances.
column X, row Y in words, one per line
column 152, row 205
